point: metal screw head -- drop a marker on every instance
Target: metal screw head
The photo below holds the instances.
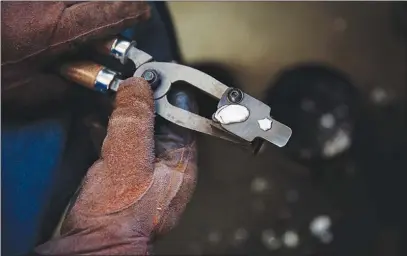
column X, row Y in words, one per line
column 235, row 95
column 152, row 77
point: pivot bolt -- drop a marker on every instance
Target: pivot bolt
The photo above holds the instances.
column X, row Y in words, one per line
column 235, row 95
column 152, row 77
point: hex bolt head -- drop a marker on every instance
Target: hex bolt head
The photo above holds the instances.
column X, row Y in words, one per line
column 235, row 95
column 152, row 77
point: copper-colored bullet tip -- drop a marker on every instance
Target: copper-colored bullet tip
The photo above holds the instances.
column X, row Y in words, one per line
column 81, row 72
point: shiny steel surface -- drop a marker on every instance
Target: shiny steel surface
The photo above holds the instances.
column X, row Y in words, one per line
column 103, row 79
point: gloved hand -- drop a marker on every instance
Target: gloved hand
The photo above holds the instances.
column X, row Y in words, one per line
column 129, row 195
column 36, row 33
column 142, row 182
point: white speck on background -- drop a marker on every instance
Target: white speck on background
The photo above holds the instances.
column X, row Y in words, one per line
column 270, row 240
column 327, row 121
column 259, row 185
column 215, row 237
column 291, row 239
column 340, row 142
column 379, row 95
column 320, row 225
column 241, row 235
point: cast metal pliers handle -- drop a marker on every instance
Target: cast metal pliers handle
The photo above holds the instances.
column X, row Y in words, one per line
column 239, row 118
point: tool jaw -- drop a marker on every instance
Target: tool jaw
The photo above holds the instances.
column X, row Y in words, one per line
column 258, row 124
column 253, row 116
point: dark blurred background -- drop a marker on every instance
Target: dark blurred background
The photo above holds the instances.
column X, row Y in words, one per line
column 335, row 72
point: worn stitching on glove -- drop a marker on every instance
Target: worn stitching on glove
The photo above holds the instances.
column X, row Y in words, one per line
column 72, row 39
column 17, row 84
column 56, row 26
column 149, row 186
column 168, row 153
column 159, row 214
column 165, row 217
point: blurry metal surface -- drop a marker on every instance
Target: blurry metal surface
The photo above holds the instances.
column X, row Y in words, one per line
column 105, row 79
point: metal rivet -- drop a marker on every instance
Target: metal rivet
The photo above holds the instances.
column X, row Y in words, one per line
column 152, row 77
column 235, row 95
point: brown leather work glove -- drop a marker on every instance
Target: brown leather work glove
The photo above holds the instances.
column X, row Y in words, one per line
column 36, row 33
column 142, row 182
column 129, row 195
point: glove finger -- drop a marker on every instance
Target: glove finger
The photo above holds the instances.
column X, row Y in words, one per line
column 131, row 127
column 126, row 166
column 44, row 28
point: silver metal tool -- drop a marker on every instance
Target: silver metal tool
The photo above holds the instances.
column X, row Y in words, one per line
column 240, row 118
